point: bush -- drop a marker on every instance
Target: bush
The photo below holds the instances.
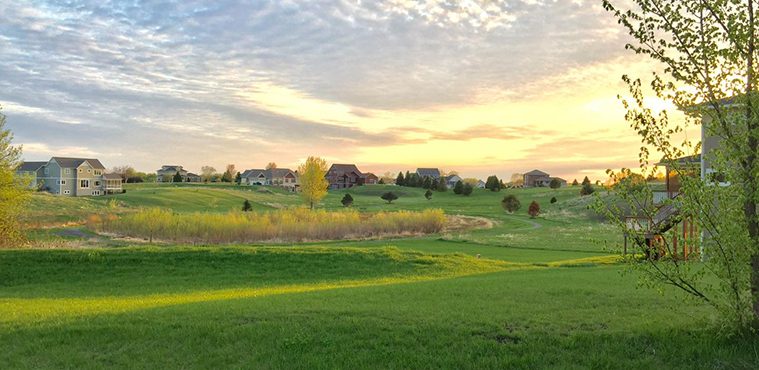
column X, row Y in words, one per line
column 347, row 200
column 286, row 225
column 554, row 184
column 428, row 194
column 587, row 189
column 534, row 209
column 467, row 189
column 553, row 200
column 510, row 203
column 458, row 188
column 246, row 207
column 389, row 197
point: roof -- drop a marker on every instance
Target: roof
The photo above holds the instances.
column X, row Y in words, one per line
column 66, row 162
column 278, row 172
column 689, row 160
column 252, row 173
column 431, row 172
column 192, row 174
column 368, row 174
column 112, row 176
column 536, row 173
column 30, row 166
column 558, row 178
column 337, row 167
column 451, row 177
column 170, row 167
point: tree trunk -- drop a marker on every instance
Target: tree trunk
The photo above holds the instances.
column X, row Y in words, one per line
column 751, row 181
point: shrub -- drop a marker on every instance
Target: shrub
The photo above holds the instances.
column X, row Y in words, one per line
column 246, row 207
column 428, row 194
column 347, row 200
column 587, row 189
column 553, row 200
column 458, row 188
column 389, row 197
column 467, row 189
column 554, row 184
column 286, row 225
column 534, row 209
column 510, row 203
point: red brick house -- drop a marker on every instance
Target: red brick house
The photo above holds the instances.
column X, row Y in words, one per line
column 343, row 176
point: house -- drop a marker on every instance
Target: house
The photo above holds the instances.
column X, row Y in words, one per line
column 167, row 173
column 77, row 177
column 370, row 179
column 452, row 180
column 343, row 176
column 31, row 170
column 480, row 184
column 536, row 178
column 282, row 177
column 191, row 177
column 432, row 173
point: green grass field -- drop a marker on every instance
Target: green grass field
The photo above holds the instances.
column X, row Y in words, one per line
column 545, row 293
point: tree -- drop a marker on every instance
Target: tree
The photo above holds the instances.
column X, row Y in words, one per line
column 467, row 189
column 586, row 180
column 441, row 185
column 347, row 200
column 14, row 191
column 428, row 194
column 238, row 178
column 458, row 188
column 381, row 181
column 553, row 200
column 517, row 179
column 125, row 171
column 207, row 173
column 400, row 180
column 229, row 174
column 575, row 183
column 313, row 183
column 407, row 182
column 587, row 189
column 177, row 177
column 427, row 183
column 534, row 209
column 510, row 203
column 554, row 184
column 389, row 197
column 708, row 49
column 471, row 181
column 492, row 183
column 271, row 166
column 246, row 207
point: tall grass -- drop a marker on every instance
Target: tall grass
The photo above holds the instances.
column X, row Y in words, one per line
column 286, row 225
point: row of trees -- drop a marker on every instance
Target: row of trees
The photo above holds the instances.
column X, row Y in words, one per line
column 413, row 180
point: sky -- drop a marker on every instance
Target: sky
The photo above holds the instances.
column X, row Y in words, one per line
column 479, row 87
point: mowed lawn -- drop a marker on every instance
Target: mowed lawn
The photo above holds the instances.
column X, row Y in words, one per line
column 544, row 293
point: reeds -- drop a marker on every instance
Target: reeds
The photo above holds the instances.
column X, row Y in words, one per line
column 286, row 225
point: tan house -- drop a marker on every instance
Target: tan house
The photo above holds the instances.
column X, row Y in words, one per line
column 282, row 177
column 169, row 171
column 536, row 178
column 77, row 177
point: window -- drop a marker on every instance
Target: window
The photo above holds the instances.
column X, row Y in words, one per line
column 62, row 182
column 98, row 173
column 97, row 183
column 66, row 192
column 84, row 184
column 66, row 171
column 46, row 171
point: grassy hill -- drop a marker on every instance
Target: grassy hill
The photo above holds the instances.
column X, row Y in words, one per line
column 544, row 292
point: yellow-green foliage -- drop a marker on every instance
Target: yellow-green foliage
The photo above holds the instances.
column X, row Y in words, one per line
column 14, row 190
column 286, row 225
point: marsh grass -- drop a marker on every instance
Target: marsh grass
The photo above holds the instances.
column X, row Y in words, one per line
column 285, row 225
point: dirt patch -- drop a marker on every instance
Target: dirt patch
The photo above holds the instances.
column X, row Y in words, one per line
column 461, row 223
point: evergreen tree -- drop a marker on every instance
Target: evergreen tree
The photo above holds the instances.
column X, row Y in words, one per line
column 441, row 185
column 467, row 189
column 400, row 180
column 177, row 177
column 586, row 181
column 427, row 182
column 587, row 189
column 493, row 184
column 428, row 194
column 238, row 178
column 408, row 181
column 246, row 206
column 458, row 188
column 575, row 183
column 347, row 200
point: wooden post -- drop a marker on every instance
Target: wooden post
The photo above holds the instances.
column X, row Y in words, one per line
column 624, row 253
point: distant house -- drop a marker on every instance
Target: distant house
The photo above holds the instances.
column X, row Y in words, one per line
column 343, row 176
column 480, row 184
column 73, row 177
column 536, row 178
column 452, row 180
column 562, row 182
column 282, row 177
column 32, row 170
column 191, row 177
column 370, row 179
column 432, row 173
column 167, row 173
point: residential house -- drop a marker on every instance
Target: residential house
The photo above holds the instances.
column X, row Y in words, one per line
column 342, row 176
column 191, row 177
column 168, row 172
column 370, row 179
column 452, row 180
column 480, row 184
column 78, row 177
column 432, row 173
column 282, row 177
column 33, row 171
column 536, row 178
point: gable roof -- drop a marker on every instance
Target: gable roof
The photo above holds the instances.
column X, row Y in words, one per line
column 451, row 177
column 431, row 172
column 30, row 166
column 343, row 168
column 279, row 172
column 112, row 176
column 369, row 174
column 536, row 173
column 252, row 173
column 66, row 162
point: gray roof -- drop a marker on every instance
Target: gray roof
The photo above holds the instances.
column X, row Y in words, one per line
column 431, row 172
column 30, row 166
column 451, row 177
column 343, row 168
column 536, row 173
column 66, row 162
column 271, row 173
column 112, row 176
column 252, row 173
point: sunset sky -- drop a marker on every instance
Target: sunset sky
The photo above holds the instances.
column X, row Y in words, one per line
column 481, row 87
